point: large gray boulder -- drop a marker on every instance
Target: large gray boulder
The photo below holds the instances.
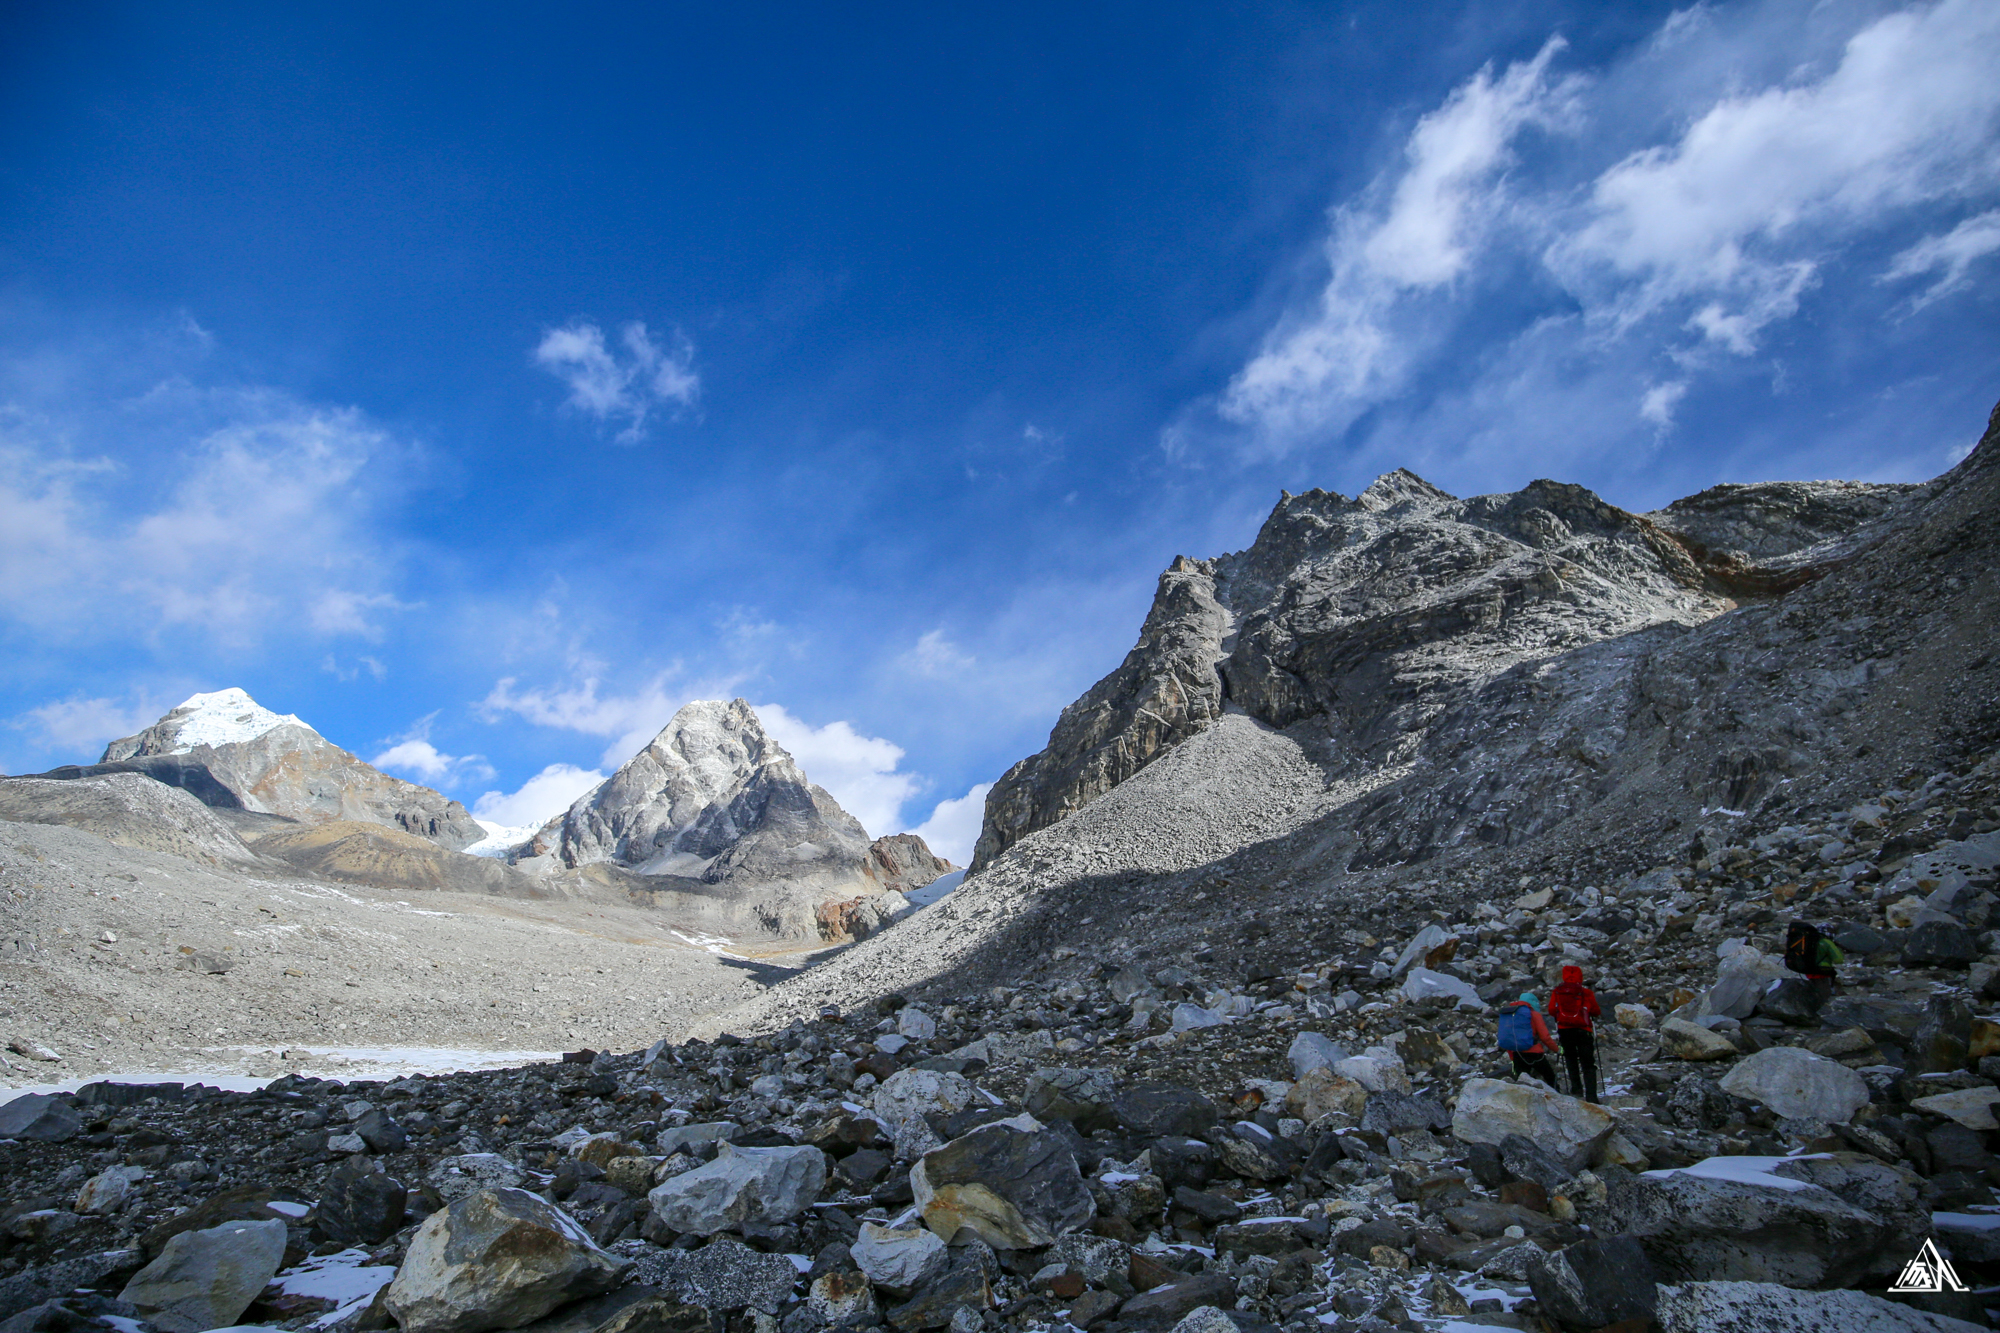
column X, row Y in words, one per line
column 40, row 1118
column 1764, row 1307
column 1013, row 1183
column 496, row 1258
column 1313, row 1050
column 1738, row 1218
column 1799, row 1085
column 1491, row 1110
column 1081, row 1096
column 741, row 1185
column 207, row 1279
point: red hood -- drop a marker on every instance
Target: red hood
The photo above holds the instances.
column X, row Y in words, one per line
column 1572, row 976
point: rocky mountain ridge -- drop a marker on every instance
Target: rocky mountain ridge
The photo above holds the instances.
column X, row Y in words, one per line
column 1379, row 617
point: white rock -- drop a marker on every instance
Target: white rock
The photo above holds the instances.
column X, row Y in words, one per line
column 741, row 1185
column 899, row 1257
column 1571, row 1131
column 907, row 1095
column 1799, row 1085
column 1632, row 1015
column 1422, row 983
column 1971, row 1107
column 1189, row 1016
column 1313, row 1050
column 1375, row 1073
column 915, row 1024
column 107, row 1191
column 1430, row 937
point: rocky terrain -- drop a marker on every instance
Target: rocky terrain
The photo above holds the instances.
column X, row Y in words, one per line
column 1205, row 1043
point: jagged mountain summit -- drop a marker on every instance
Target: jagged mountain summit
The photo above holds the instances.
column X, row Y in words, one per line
column 714, row 800
column 233, row 753
column 1380, row 618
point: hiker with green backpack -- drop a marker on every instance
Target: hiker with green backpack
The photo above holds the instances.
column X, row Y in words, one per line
column 1813, row 956
column 1526, row 1038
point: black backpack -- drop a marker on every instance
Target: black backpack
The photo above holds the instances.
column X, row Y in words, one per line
column 1802, row 947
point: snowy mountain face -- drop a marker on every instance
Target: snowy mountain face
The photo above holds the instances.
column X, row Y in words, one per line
column 231, row 752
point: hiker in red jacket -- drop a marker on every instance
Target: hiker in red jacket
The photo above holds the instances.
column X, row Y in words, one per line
column 1573, row 1005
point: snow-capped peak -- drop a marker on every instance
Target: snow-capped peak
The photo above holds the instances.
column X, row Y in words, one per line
column 222, row 718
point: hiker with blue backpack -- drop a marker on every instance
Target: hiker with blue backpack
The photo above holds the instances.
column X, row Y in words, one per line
column 1525, row 1037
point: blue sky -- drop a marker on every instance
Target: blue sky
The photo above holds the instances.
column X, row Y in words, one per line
column 482, row 382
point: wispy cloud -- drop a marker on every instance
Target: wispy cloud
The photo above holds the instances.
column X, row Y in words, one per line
column 1645, row 224
column 80, row 727
column 936, row 656
column 631, row 720
column 628, row 382
column 1950, row 256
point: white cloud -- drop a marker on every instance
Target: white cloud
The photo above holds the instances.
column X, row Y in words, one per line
column 539, row 799
column 934, row 655
column 1954, row 253
column 953, row 828
column 630, row 720
column 1659, row 401
column 82, row 727
column 1702, row 190
column 263, row 524
column 607, row 385
column 1353, row 348
column 858, row 771
column 412, row 754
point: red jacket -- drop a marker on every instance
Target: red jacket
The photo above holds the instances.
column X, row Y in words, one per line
column 1573, row 1004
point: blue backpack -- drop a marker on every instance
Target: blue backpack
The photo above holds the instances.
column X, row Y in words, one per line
column 1517, row 1028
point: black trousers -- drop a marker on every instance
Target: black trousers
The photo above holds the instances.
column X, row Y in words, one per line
column 1579, row 1046
column 1534, row 1063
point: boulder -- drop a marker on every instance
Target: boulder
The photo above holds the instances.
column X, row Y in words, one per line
column 725, row 1274
column 631, row 1309
column 1081, row 1096
column 1422, row 984
column 1163, row 1307
column 1682, row 1040
column 899, row 1259
column 1151, row 1110
column 915, row 1024
column 1731, row 1218
column 496, row 1258
column 107, row 1191
column 1938, row 943
column 842, row 1299
column 1490, row 1110
column 1377, row 1073
column 1799, row 1085
column 1401, row 1112
column 1943, row 1038
column 1793, row 1000
column 964, row 1285
column 243, row 1203
column 361, row 1205
column 1187, row 1017
column 39, row 1118
column 1632, row 1016
column 1595, row 1283
column 1321, row 1091
column 1764, row 1307
column 1971, row 1107
column 1425, row 940
column 741, row 1185
column 670, row 1141
column 1313, row 1050
column 207, row 1279
column 908, row 1095
column 1255, row 1153
column 456, row 1177
column 1013, row 1183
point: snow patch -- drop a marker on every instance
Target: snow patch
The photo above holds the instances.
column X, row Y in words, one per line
column 1742, row 1170
column 934, row 890
column 500, row 839
column 226, row 717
